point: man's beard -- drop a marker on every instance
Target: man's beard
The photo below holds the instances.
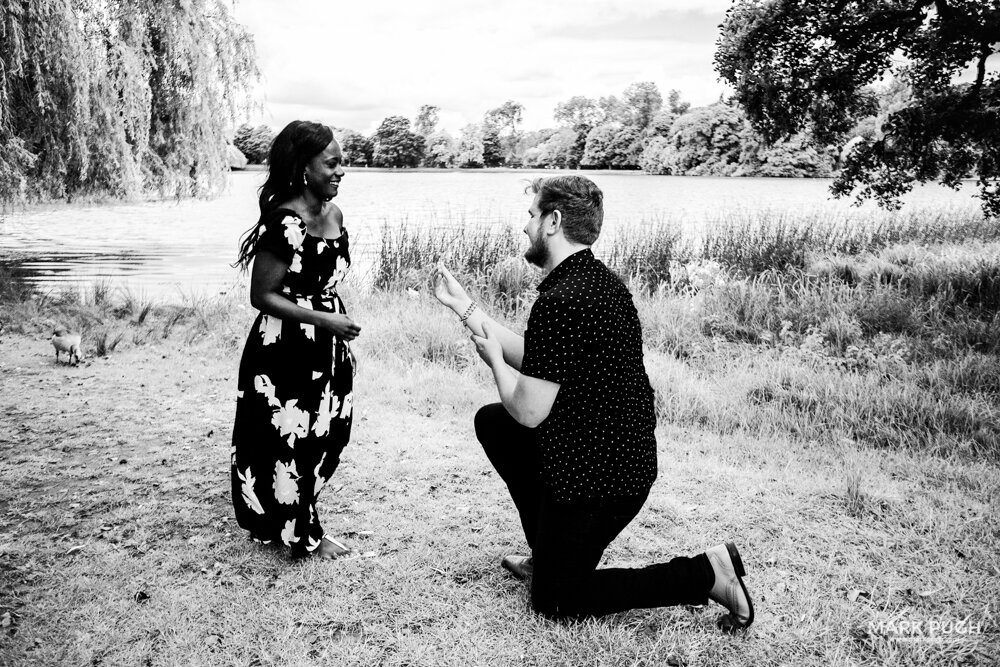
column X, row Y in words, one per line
column 538, row 252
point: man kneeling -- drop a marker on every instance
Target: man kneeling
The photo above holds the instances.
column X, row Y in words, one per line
column 573, row 434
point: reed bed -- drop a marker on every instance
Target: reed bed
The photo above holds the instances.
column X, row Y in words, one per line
column 879, row 326
column 754, row 243
column 877, row 334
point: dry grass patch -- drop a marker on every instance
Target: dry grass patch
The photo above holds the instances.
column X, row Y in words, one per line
column 117, row 545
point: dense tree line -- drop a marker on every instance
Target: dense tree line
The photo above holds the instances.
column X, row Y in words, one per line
column 642, row 129
column 116, row 98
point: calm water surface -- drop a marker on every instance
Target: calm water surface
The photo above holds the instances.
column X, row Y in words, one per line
column 173, row 248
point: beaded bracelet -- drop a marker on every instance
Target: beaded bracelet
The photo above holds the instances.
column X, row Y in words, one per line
column 468, row 312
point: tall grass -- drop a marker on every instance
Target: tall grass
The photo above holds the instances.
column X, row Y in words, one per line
column 774, row 329
column 645, row 256
column 14, row 285
column 407, row 256
column 487, row 260
column 749, row 244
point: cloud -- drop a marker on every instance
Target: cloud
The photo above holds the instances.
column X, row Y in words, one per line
column 668, row 25
column 353, row 64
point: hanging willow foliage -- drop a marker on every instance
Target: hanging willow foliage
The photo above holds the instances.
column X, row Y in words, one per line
column 119, row 97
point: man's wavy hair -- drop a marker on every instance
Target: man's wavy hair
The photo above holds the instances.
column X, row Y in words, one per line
column 579, row 200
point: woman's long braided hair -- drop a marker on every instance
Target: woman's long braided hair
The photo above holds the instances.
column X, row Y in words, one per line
column 299, row 142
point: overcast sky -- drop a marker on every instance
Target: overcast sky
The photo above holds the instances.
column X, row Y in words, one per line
column 351, row 64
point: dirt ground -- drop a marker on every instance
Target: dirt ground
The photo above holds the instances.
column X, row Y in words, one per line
column 118, row 547
column 115, row 477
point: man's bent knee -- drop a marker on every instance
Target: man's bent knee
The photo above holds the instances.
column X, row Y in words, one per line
column 482, row 421
column 558, row 601
column 489, row 420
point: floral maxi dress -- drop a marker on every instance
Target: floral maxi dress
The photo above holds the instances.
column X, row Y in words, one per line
column 294, row 398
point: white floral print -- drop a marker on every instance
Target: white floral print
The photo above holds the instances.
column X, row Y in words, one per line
column 270, row 329
column 262, row 385
column 288, row 535
column 348, row 406
column 295, row 233
column 320, row 481
column 247, row 490
column 291, row 421
column 286, row 483
column 308, row 329
column 329, row 404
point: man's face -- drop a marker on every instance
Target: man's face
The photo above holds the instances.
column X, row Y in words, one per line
column 538, row 247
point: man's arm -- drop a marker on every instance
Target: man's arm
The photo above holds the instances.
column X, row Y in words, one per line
column 449, row 292
column 528, row 400
column 511, row 343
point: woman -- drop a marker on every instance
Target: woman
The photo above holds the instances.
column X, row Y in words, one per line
column 293, row 411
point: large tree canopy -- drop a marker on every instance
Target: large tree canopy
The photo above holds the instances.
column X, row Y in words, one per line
column 394, row 144
column 806, row 65
column 118, row 97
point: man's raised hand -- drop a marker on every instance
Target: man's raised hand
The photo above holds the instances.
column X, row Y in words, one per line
column 448, row 291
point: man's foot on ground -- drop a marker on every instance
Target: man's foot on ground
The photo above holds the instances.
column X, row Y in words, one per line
column 521, row 567
column 728, row 589
column 331, row 548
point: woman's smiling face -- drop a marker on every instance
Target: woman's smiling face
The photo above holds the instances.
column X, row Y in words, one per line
column 324, row 171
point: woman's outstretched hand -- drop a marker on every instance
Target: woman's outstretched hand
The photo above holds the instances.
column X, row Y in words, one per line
column 448, row 291
column 340, row 325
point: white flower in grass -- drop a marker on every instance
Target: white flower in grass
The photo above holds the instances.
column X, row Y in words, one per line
column 270, row 329
column 249, row 497
column 286, row 486
column 347, row 407
column 291, row 421
column 262, row 385
column 288, row 534
column 296, row 265
column 294, row 234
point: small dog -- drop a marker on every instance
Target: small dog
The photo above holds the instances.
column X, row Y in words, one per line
column 65, row 341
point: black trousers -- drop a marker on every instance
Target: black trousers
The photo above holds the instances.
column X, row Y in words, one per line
column 567, row 540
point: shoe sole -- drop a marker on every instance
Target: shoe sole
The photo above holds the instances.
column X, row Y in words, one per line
column 734, row 555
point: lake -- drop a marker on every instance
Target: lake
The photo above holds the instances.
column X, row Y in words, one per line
column 167, row 249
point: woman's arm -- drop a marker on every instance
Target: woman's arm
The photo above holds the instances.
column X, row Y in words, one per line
column 265, row 296
column 450, row 293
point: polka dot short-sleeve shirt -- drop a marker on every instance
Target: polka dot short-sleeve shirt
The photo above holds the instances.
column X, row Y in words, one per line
column 584, row 333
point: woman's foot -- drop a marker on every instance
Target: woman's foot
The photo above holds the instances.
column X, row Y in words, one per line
column 331, row 548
